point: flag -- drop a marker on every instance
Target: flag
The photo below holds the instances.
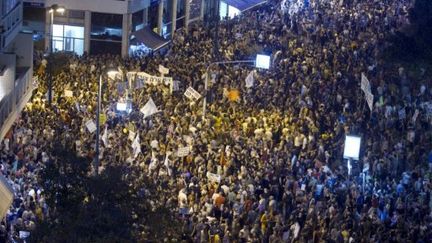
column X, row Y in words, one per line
column 136, row 145
column 369, row 99
column 250, row 80
column 105, row 137
column 166, row 163
column 365, row 85
column 149, row 108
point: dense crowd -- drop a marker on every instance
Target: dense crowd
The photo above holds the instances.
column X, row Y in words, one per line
column 268, row 166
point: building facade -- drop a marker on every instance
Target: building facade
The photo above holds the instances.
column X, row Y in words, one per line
column 108, row 26
column 16, row 63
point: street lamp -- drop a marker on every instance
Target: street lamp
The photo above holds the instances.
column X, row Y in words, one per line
column 110, row 71
column 261, row 61
column 58, row 9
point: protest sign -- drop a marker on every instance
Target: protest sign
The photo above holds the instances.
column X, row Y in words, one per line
column 213, row 177
column 68, row 93
column 6, row 196
column 192, row 94
column 365, row 84
column 176, row 85
column 91, row 126
column 132, row 135
column 149, row 108
column 182, row 152
column 369, row 99
column 250, row 80
column 163, row 70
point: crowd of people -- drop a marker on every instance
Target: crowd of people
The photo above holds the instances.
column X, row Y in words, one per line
column 266, row 165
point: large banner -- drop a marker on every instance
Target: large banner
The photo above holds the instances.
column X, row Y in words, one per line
column 145, row 78
column 6, row 196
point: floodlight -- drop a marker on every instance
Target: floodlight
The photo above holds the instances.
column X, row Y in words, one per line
column 262, row 61
column 352, row 147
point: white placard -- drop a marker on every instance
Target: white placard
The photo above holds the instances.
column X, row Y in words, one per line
column 68, row 93
column 213, row 177
column 262, row 61
column 7, row 196
column 24, row 234
column 163, row 70
column 352, row 147
column 132, row 135
column 176, row 85
column 365, row 84
column 182, row 152
column 369, row 100
column 250, row 80
column 192, row 94
column 149, row 108
column 91, row 126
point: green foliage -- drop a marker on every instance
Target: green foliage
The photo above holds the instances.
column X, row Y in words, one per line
column 414, row 42
column 106, row 208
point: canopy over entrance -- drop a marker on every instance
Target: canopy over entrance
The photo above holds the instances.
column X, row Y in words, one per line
column 149, row 38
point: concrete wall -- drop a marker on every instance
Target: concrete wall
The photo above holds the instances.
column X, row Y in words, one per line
column 102, row 6
column 23, row 48
column 7, row 80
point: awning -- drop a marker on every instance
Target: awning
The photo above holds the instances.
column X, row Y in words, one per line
column 148, row 38
column 243, row 5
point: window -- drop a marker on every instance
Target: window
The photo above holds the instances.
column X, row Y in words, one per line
column 68, row 38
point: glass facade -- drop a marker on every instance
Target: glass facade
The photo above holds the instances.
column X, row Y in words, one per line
column 68, row 38
column 106, row 33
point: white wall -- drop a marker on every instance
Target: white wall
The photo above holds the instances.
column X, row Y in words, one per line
column 7, row 80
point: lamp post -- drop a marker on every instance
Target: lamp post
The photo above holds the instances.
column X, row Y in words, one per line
column 258, row 63
column 51, row 10
column 109, row 72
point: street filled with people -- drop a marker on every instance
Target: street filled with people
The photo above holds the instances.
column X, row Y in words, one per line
column 265, row 162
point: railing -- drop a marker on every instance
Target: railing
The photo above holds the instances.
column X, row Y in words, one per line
column 10, row 22
column 11, row 100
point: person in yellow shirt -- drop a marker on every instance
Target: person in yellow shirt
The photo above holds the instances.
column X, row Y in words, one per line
column 264, row 222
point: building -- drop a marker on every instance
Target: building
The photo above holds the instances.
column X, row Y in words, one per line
column 120, row 26
column 110, row 26
column 16, row 63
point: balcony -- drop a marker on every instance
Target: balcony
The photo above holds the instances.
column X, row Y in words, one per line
column 10, row 25
column 12, row 104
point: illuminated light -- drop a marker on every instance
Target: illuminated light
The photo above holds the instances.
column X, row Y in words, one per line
column 124, row 107
column 262, row 61
column 352, row 147
column 60, row 10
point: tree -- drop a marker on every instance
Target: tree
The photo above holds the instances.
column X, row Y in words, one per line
column 415, row 40
column 112, row 207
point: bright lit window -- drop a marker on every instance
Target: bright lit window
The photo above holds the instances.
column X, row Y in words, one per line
column 68, row 38
column 232, row 12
